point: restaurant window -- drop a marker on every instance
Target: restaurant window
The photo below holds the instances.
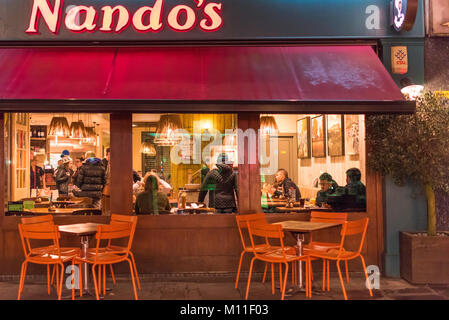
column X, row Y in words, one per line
column 312, row 160
column 44, row 155
column 184, row 163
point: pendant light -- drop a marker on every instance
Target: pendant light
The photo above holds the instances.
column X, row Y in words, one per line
column 59, row 127
column 268, row 126
column 77, row 130
column 148, row 148
column 165, row 132
column 90, row 137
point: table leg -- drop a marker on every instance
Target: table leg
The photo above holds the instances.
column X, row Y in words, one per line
column 84, row 247
column 300, row 240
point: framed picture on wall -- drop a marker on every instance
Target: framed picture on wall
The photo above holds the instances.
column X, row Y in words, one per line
column 335, row 135
column 303, row 134
column 318, row 137
column 352, row 127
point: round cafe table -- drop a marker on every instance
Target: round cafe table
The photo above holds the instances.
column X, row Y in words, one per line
column 84, row 231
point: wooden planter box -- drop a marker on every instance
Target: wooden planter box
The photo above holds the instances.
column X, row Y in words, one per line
column 424, row 259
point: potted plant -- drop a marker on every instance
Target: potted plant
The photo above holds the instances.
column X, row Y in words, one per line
column 415, row 148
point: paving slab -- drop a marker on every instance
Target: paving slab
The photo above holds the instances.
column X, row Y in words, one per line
column 222, row 288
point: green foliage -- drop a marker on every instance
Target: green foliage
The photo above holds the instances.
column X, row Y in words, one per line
column 412, row 147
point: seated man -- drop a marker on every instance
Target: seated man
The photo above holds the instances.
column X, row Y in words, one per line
column 328, row 186
column 355, row 187
column 284, row 183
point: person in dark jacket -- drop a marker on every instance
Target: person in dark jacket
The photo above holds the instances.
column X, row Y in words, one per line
column 284, row 184
column 355, row 187
column 91, row 179
column 221, row 183
column 63, row 176
column 151, row 201
column 328, row 186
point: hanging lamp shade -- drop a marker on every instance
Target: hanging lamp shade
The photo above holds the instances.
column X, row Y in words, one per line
column 268, row 125
column 77, row 130
column 90, row 136
column 148, row 149
column 59, row 127
column 166, row 130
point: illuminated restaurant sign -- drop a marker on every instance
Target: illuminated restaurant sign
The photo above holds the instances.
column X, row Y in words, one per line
column 193, row 20
column 404, row 14
column 80, row 18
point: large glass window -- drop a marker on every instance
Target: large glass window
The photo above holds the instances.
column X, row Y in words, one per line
column 316, row 161
column 52, row 162
column 185, row 163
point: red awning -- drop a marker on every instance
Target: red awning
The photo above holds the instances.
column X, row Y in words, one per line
column 225, row 75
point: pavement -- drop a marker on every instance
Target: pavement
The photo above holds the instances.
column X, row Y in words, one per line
column 221, row 287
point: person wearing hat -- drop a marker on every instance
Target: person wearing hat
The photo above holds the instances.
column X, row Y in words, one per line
column 328, row 186
column 91, row 179
column 354, row 186
column 221, row 183
column 63, row 176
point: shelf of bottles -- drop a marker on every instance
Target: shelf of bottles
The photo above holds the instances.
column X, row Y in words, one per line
column 38, row 135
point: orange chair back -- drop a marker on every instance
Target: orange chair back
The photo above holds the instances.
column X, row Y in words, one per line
column 121, row 218
column 242, row 223
column 38, row 219
column 268, row 232
column 116, row 230
column 328, row 217
column 351, row 228
column 38, row 231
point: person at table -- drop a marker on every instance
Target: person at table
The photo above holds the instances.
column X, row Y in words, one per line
column 91, row 179
column 328, row 186
column 164, row 186
column 284, row 184
column 37, row 180
column 63, row 177
column 221, row 183
column 355, row 186
column 152, row 201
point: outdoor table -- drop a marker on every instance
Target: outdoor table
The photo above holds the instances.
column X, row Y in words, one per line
column 56, row 211
column 298, row 229
column 84, row 231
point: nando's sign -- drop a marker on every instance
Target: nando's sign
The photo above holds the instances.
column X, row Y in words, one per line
column 204, row 15
column 146, row 21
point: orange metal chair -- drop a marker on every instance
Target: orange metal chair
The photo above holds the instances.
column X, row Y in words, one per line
column 350, row 228
column 47, row 255
column 274, row 254
column 242, row 224
column 50, row 248
column 102, row 256
column 328, row 217
column 118, row 218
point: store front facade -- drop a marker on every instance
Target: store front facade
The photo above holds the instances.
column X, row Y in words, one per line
column 200, row 57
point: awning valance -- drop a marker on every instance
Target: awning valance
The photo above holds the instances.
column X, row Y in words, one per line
column 301, row 79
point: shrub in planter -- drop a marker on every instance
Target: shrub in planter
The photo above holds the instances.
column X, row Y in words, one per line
column 414, row 148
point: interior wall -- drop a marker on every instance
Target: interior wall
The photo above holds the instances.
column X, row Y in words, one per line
column 137, row 156
column 311, row 168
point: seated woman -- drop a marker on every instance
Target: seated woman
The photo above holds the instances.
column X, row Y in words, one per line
column 151, row 201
